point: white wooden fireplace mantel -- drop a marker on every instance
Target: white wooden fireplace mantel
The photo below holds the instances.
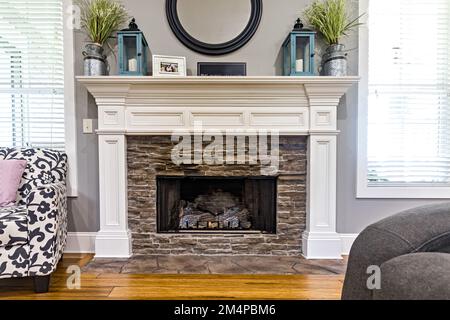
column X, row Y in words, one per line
column 158, row 106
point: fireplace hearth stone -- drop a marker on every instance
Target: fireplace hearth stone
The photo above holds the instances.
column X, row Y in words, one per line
column 217, row 264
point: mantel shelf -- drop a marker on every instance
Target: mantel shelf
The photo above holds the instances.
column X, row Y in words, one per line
column 217, row 80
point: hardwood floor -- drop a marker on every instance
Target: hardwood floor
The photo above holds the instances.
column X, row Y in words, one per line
column 172, row 287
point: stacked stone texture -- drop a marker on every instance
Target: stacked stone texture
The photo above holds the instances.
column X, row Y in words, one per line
column 150, row 156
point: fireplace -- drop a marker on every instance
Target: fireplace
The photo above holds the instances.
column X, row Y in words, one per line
column 216, row 204
column 137, row 116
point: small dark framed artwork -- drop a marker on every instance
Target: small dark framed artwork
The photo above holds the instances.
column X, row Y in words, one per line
column 222, row 69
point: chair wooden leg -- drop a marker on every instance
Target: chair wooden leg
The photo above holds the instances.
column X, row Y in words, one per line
column 41, row 284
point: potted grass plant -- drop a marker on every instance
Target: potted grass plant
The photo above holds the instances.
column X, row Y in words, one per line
column 332, row 20
column 100, row 19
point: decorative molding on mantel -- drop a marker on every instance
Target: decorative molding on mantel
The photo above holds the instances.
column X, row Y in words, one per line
column 159, row 106
column 151, row 105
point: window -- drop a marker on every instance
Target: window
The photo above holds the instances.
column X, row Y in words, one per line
column 36, row 77
column 404, row 130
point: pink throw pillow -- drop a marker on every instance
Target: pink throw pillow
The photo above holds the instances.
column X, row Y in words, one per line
column 10, row 176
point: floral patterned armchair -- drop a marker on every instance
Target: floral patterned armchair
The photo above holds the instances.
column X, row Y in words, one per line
column 33, row 232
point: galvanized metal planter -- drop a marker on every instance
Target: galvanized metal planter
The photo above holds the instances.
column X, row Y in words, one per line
column 334, row 61
column 95, row 63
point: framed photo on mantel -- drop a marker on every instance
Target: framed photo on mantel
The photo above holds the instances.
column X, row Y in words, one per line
column 169, row 66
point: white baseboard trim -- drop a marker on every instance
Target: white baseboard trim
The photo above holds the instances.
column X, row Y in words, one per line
column 80, row 242
column 321, row 245
column 327, row 246
column 347, row 240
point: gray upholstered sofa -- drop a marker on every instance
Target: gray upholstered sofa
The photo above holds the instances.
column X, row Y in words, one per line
column 412, row 250
column 33, row 231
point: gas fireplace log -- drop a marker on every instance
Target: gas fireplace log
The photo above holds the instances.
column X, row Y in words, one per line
column 233, row 218
column 217, row 210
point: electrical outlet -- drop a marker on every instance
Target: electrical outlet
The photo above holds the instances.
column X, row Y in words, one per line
column 87, row 126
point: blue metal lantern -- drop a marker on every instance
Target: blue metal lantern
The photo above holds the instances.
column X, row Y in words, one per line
column 298, row 52
column 133, row 51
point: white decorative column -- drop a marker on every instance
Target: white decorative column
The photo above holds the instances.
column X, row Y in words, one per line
column 114, row 238
column 321, row 240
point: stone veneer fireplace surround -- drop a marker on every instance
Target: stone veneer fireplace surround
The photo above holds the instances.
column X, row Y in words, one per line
column 149, row 106
column 149, row 158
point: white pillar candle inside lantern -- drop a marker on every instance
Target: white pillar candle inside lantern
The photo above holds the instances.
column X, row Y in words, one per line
column 132, row 65
column 299, row 65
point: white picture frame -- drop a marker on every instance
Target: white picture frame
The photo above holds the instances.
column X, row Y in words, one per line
column 169, row 66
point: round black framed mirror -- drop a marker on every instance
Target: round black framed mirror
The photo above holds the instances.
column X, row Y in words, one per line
column 207, row 27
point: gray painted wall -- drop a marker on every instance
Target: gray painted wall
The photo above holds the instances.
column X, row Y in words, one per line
column 263, row 57
column 84, row 210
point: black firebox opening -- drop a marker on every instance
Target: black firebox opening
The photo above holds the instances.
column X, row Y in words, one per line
column 202, row 204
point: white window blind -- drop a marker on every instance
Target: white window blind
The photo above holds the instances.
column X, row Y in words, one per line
column 408, row 107
column 32, row 73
